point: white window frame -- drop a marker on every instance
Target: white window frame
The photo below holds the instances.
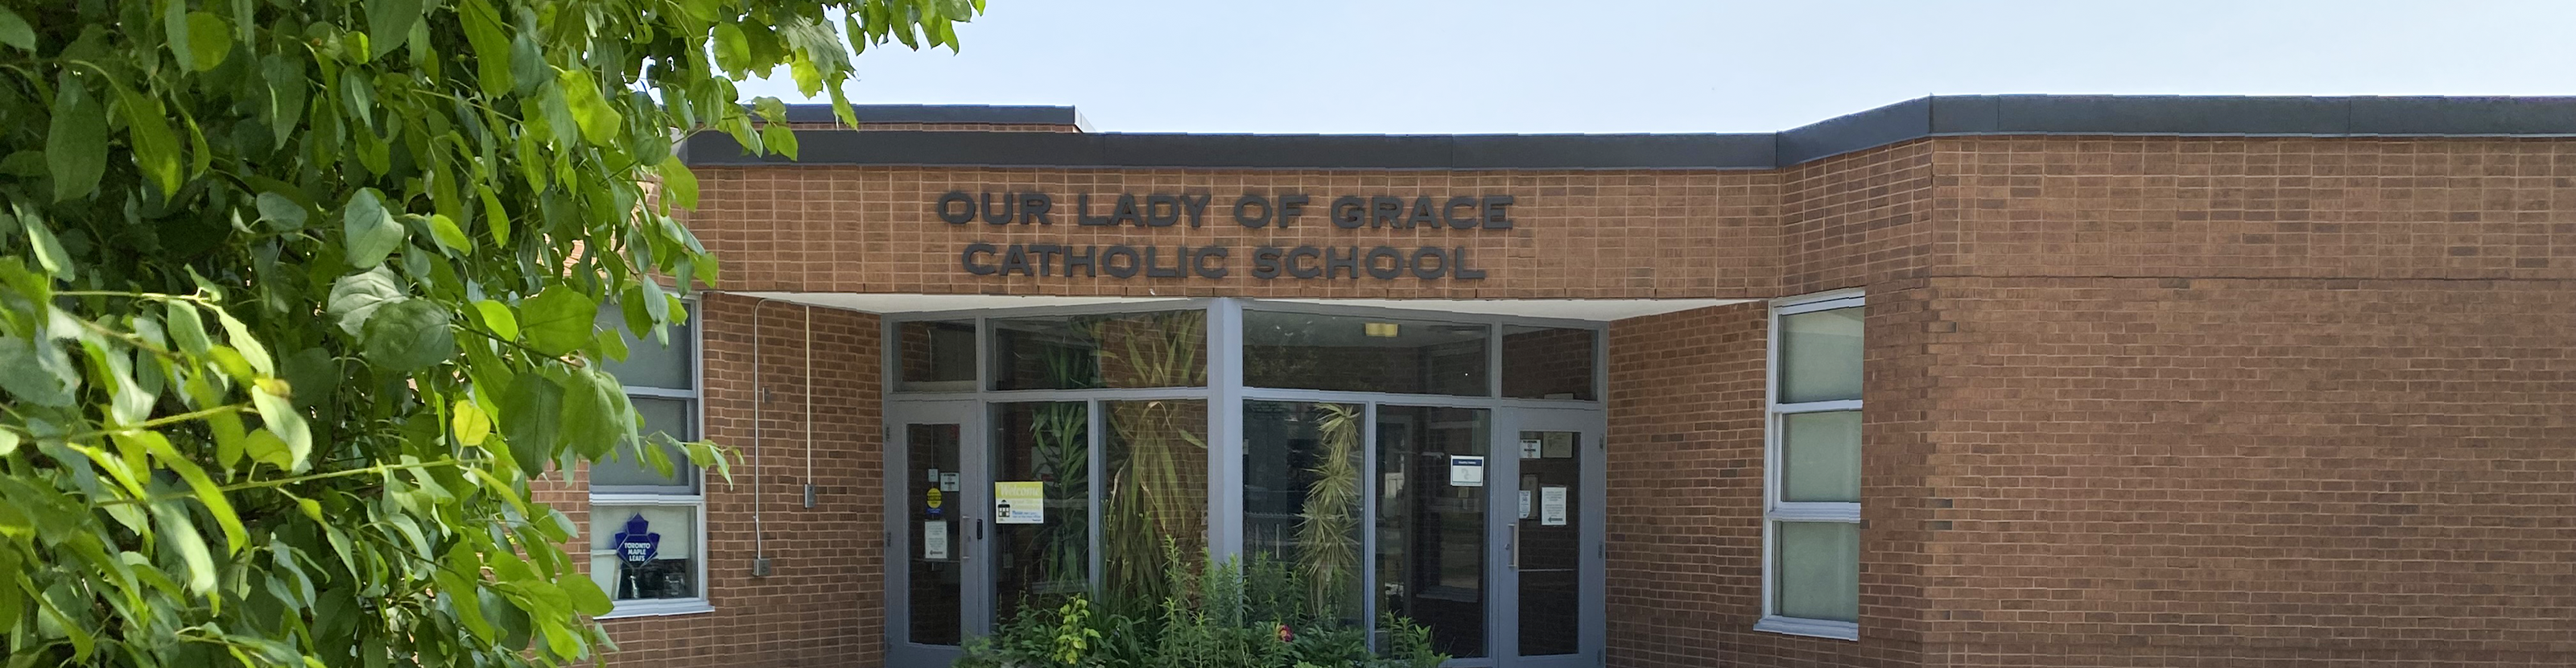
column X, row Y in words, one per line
column 1775, row 510
column 696, row 499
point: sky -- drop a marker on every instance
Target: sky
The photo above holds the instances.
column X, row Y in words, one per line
column 1610, row 66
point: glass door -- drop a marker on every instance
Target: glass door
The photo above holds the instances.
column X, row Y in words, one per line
column 1548, row 486
column 936, row 596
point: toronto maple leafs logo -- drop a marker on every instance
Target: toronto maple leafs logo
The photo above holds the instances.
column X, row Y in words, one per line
column 638, row 544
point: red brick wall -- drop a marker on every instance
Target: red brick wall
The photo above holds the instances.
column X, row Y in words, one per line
column 1598, row 234
column 2255, row 472
column 823, row 602
column 2131, row 401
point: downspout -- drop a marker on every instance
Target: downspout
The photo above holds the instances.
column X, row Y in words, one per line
column 809, row 406
column 760, row 397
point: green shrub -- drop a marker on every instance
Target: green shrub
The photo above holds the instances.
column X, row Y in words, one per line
column 1226, row 615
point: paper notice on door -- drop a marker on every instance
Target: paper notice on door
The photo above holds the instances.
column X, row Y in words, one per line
column 1531, row 447
column 948, row 482
column 1019, row 503
column 934, row 540
column 1465, row 471
column 1559, row 445
column 933, row 476
column 1551, row 506
column 1525, row 504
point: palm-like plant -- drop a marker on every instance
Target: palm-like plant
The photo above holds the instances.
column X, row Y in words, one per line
column 1328, row 545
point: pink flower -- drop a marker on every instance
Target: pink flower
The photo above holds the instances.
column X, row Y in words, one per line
column 1284, row 635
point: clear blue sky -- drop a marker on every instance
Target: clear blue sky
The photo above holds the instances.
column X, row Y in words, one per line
column 1506, row 66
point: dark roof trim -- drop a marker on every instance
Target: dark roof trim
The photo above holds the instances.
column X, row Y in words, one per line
column 1913, row 119
column 939, row 113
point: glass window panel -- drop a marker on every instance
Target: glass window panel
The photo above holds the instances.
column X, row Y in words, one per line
column 651, row 363
column 1162, row 349
column 644, row 552
column 629, row 470
column 1155, row 490
column 1819, row 570
column 936, row 587
column 1820, row 355
column 937, row 356
column 1548, row 363
column 1302, row 481
column 1364, row 354
column 1430, row 557
column 1820, row 456
column 1038, row 564
column 1551, row 535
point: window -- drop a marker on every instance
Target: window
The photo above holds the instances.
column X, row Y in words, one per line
column 1341, row 353
column 1812, row 482
column 647, row 527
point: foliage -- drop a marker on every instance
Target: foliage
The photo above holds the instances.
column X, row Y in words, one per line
column 297, row 298
column 1061, row 438
column 1224, row 615
column 1328, row 528
column 1157, row 460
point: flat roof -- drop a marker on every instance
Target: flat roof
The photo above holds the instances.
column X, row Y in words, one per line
column 1935, row 116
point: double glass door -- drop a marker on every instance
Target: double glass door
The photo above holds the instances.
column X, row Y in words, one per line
column 1482, row 524
column 1487, row 529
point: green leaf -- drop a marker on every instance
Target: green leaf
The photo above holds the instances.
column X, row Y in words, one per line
column 188, row 328
column 49, row 250
column 372, row 232
column 356, row 296
column 176, row 533
column 388, row 22
column 266, row 447
column 75, row 141
column 408, row 335
column 558, row 320
column 204, row 487
column 210, row 40
column 253, row 353
column 15, row 32
column 600, row 124
column 444, row 230
column 779, row 138
column 530, row 411
column 733, row 51
column 678, row 184
column 497, row 317
column 281, row 213
column 470, row 424
column 148, row 134
column 591, row 413
column 484, row 32
column 587, row 599
column 496, row 218
column 284, row 423
column 37, row 371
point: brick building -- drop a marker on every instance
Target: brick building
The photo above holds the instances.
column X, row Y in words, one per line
column 1962, row 381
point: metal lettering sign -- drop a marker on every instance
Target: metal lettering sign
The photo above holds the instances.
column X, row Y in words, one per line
column 638, row 544
column 1453, row 213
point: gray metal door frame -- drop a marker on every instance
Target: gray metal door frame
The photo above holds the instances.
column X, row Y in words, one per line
column 968, row 512
column 1589, row 512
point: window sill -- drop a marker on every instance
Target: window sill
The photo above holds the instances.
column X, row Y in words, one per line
column 659, row 608
column 1812, row 628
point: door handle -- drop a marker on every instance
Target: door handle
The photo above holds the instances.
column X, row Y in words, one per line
column 1512, row 545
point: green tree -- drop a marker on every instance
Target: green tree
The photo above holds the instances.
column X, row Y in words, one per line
column 296, row 298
